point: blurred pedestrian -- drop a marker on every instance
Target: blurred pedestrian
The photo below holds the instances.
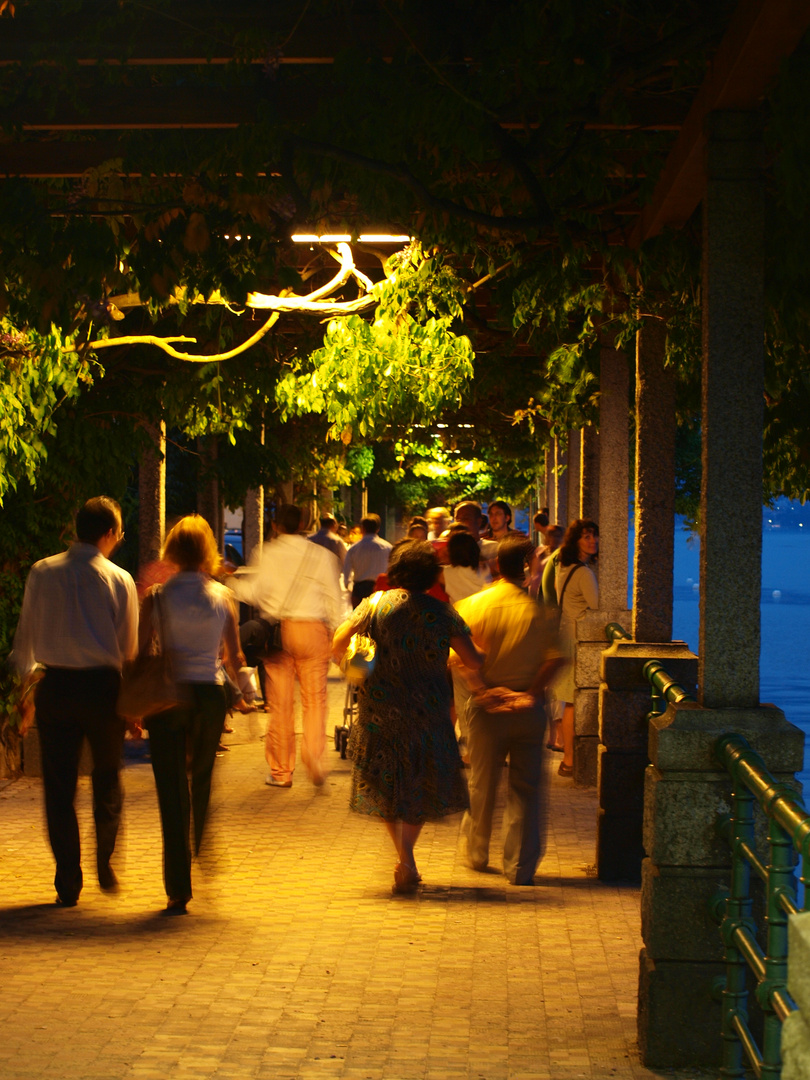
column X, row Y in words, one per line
column 406, row 766
column 195, row 618
column 79, row 620
column 366, row 559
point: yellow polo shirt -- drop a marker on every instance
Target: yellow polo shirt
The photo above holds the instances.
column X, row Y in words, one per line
column 513, row 632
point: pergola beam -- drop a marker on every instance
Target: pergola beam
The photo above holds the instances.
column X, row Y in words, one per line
column 760, row 35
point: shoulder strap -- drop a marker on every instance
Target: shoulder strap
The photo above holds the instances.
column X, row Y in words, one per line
column 576, row 567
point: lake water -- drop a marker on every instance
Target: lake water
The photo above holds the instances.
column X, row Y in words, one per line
column 785, row 609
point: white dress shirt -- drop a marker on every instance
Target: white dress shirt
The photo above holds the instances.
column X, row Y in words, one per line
column 367, row 558
column 294, row 579
column 80, row 610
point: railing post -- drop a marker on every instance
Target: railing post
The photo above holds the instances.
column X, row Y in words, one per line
column 780, row 882
column 738, row 912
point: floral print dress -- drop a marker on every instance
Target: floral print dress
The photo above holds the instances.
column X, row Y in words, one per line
column 403, row 747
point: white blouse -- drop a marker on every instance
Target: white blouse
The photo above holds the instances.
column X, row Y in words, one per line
column 194, row 610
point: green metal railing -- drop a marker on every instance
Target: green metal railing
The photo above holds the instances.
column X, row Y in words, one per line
column 788, row 837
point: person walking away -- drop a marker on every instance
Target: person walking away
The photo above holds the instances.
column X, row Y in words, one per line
column 297, row 583
column 327, row 536
column 405, row 763
column 576, row 591
column 197, row 621
column 366, row 559
column 505, row 713
column 79, row 620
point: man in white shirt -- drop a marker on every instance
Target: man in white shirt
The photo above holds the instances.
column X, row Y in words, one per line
column 366, row 559
column 79, row 620
column 297, row 583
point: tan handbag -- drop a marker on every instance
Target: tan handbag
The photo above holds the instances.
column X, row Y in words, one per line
column 148, row 685
column 361, row 656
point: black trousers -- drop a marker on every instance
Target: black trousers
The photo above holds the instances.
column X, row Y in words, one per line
column 183, row 746
column 71, row 705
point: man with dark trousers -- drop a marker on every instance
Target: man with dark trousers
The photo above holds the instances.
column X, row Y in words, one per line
column 366, row 559
column 79, row 620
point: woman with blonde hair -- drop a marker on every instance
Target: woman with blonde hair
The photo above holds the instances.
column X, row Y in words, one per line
column 195, row 619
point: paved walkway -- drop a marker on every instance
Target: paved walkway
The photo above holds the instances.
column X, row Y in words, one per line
column 297, row 962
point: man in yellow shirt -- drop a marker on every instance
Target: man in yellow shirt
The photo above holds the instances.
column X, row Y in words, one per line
column 505, row 712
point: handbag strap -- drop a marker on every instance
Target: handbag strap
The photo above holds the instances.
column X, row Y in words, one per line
column 577, row 566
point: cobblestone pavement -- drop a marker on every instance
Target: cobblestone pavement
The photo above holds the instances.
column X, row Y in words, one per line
column 296, row 961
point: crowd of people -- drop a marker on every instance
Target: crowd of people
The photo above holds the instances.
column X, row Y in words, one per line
column 473, row 628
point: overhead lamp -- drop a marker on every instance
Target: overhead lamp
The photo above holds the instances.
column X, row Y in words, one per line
column 344, row 238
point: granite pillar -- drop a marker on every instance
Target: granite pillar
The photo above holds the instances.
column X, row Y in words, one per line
column 732, row 412
column 253, row 527
column 589, row 473
column 655, row 486
column 152, row 495
column 614, row 478
column 561, row 483
column 796, row 1029
column 209, row 505
column 573, row 488
column 544, row 494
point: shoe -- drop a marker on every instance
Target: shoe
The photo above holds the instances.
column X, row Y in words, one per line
column 222, row 749
column 66, row 901
column 107, row 879
column 227, row 729
column 271, row 781
column 406, row 879
column 565, row 770
column 479, row 867
column 556, row 749
column 177, row 905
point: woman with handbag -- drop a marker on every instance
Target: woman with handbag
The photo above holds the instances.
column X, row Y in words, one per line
column 194, row 619
column 406, row 765
column 577, row 592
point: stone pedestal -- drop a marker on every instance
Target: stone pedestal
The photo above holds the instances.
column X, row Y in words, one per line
column 590, row 644
column 623, row 707
column 796, row 1029
column 685, row 789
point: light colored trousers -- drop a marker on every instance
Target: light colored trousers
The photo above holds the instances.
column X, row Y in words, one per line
column 493, row 736
column 305, row 655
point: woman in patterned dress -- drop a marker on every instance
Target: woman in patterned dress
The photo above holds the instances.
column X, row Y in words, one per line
column 406, row 765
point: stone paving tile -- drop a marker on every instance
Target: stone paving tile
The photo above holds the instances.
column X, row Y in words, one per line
column 296, row 961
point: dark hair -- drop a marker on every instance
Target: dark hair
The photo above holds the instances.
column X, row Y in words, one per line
column 417, row 526
column 513, row 554
column 288, row 518
column 462, row 550
column 507, row 509
column 419, row 520
column 463, row 506
column 370, row 523
column 328, row 519
column 414, row 566
column 541, row 518
column 569, row 548
column 96, row 518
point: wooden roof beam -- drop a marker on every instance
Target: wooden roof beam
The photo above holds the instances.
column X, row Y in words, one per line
column 761, row 34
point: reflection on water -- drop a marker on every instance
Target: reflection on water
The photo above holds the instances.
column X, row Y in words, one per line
column 785, row 612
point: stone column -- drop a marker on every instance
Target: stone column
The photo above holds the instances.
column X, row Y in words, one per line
column 152, row 495
column 208, row 501
column 732, row 412
column 679, row 1020
column 614, row 479
column 624, row 694
column 655, row 486
column 796, row 1028
column 561, row 483
column 253, row 527
column 551, row 487
column 589, row 473
column 574, row 473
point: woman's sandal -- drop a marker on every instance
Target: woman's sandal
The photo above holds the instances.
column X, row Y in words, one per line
column 556, row 749
column 406, row 879
column 565, row 770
